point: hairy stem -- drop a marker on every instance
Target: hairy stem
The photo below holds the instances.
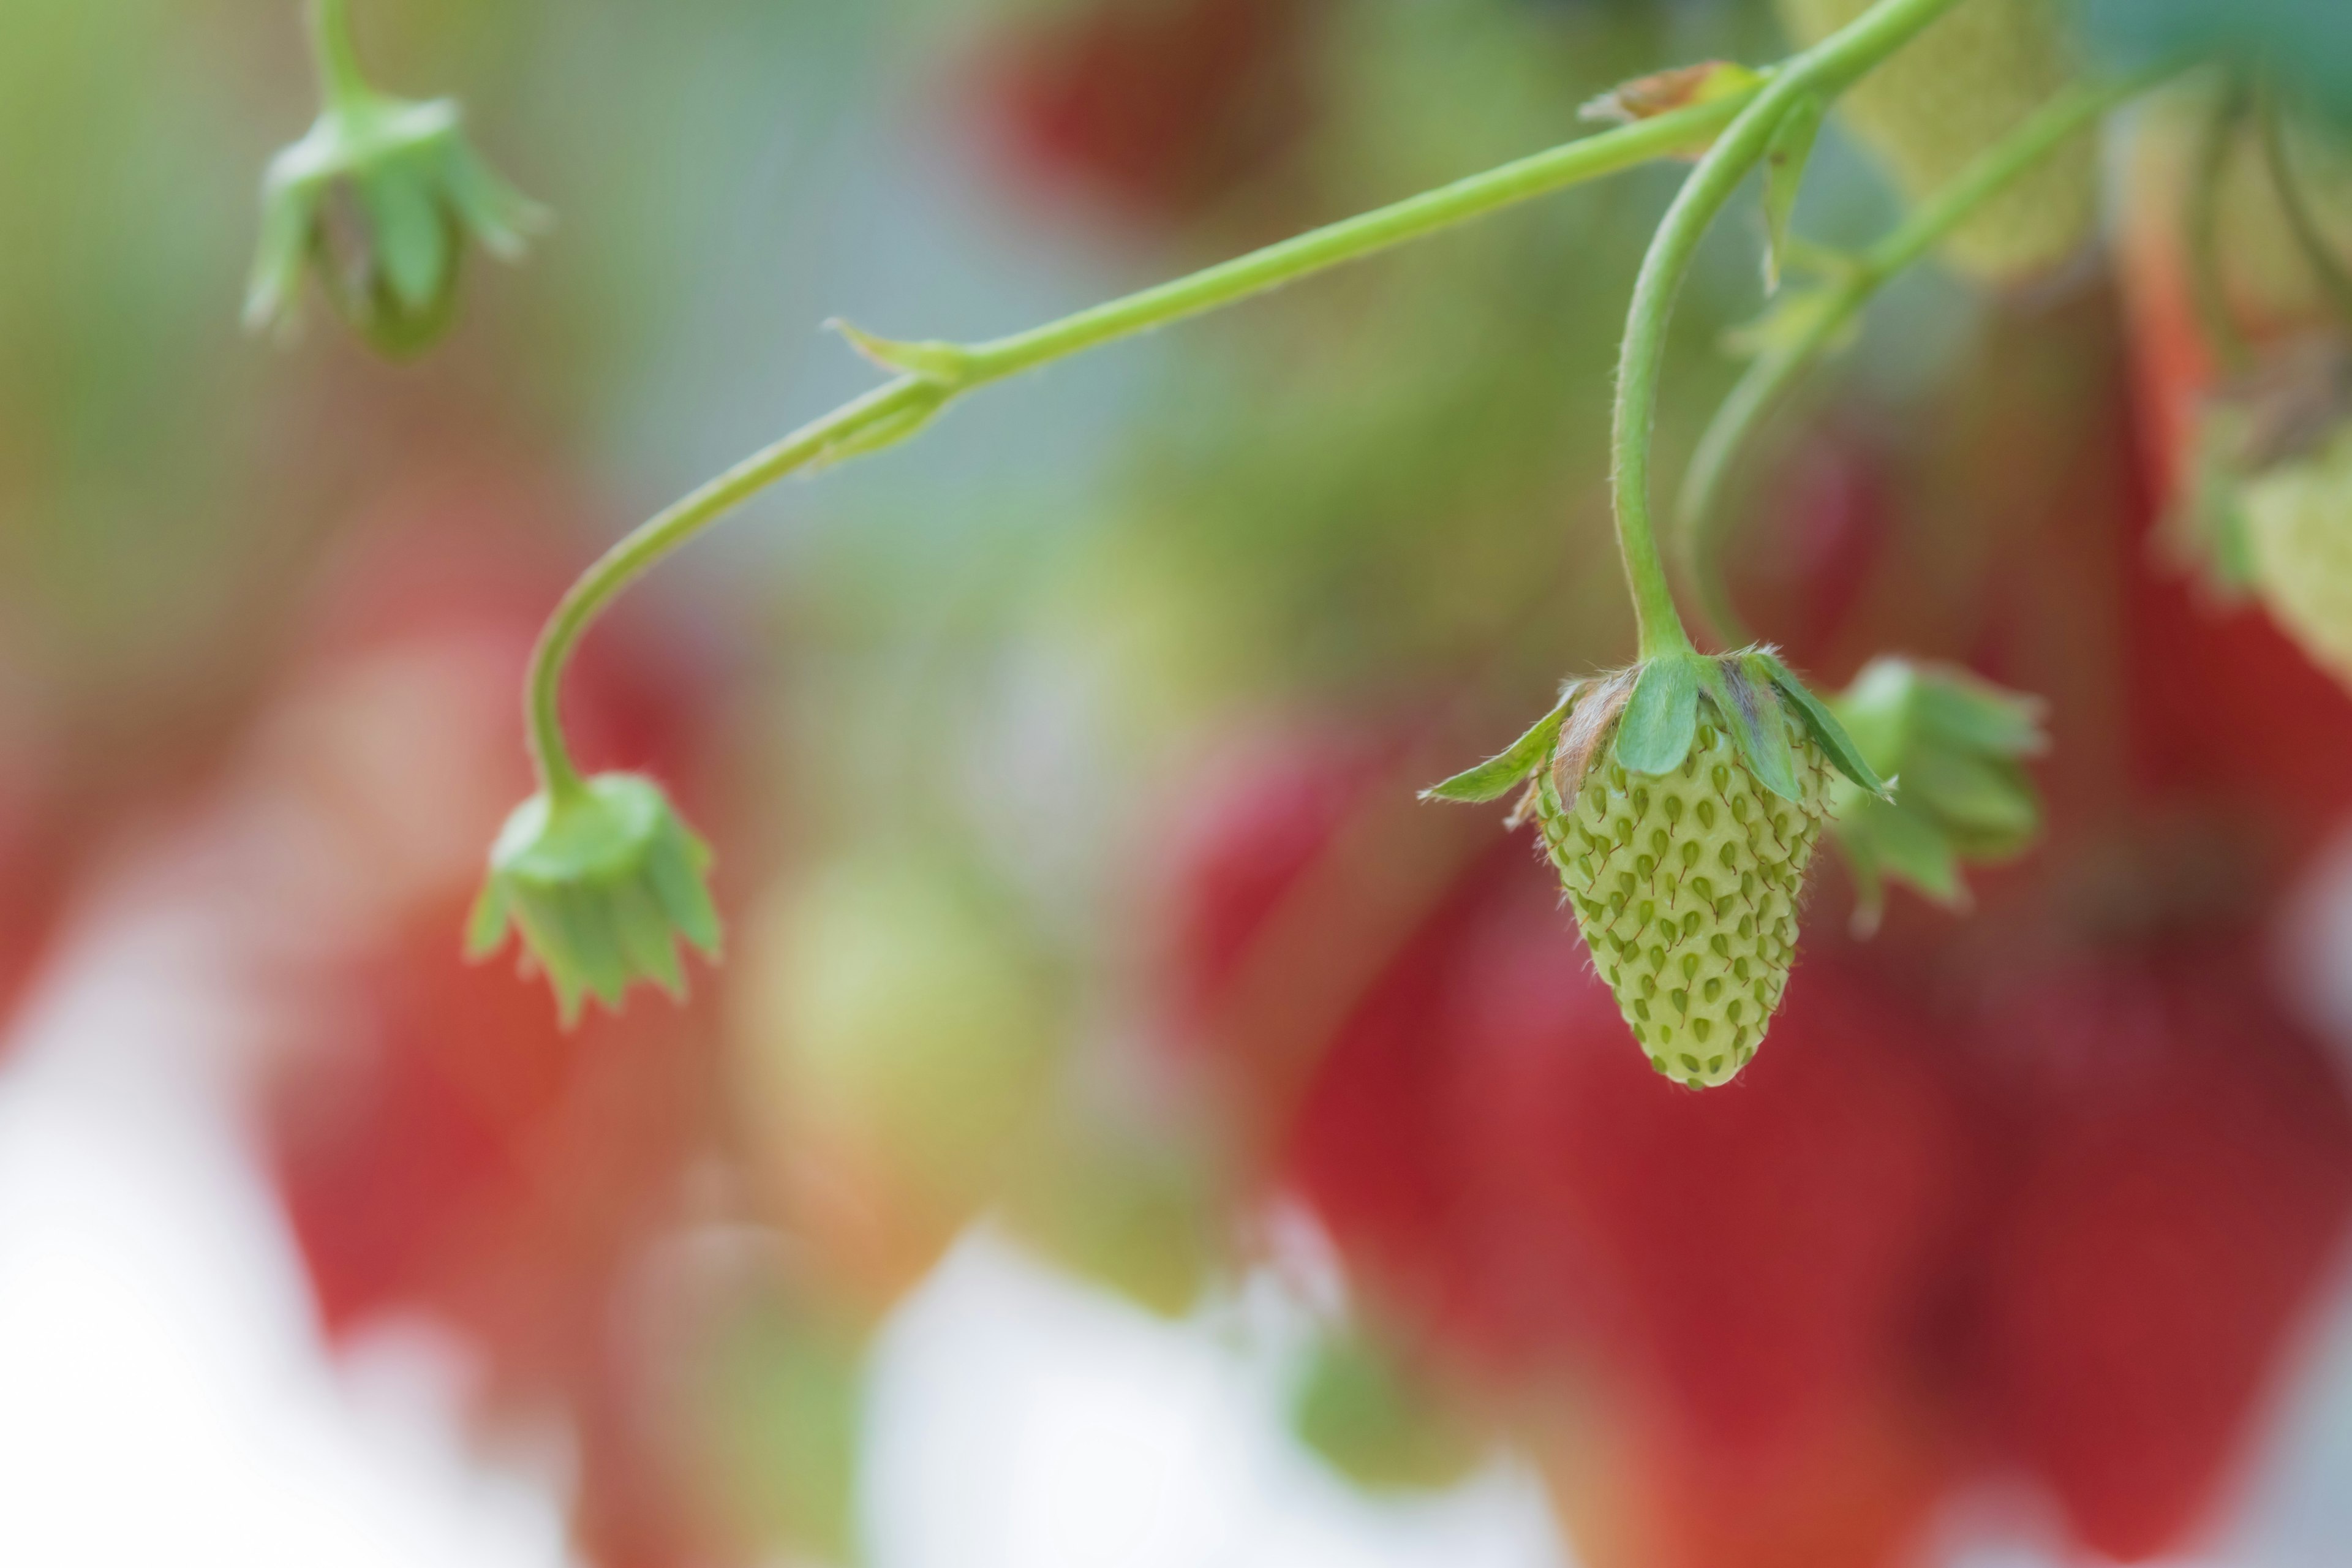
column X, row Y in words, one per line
column 938, row 373
column 1824, row 71
column 1700, row 515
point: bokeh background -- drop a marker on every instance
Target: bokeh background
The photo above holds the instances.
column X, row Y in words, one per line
column 1127, row 1131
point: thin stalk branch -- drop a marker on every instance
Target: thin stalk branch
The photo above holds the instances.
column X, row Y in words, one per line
column 1701, row 517
column 940, row 373
column 1822, row 72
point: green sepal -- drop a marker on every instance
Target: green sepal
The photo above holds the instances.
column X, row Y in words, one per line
column 1751, row 711
column 499, row 216
column 1506, row 770
column 1824, row 726
column 412, row 241
column 601, row 880
column 487, row 926
column 1661, row 719
column 1785, row 156
column 1965, row 710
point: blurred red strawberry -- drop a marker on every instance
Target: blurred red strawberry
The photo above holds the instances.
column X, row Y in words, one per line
column 40, row 840
column 1313, row 908
column 1852, row 1491
column 447, row 1148
column 1163, row 107
column 2187, row 1179
column 1746, row 1262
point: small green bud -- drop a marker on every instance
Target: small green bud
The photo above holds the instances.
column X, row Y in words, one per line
column 379, row 199
column 602, row 879
column 1960, row 745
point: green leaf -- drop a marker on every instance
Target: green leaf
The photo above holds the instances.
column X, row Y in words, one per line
column 1784, row 171
column 1499, row 774
column 1656, row 731
column 1823, row 725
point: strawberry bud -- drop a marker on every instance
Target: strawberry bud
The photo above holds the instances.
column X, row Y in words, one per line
column 601, row 881
column 1680, row 802
column 380, row 197
column 1958, row 744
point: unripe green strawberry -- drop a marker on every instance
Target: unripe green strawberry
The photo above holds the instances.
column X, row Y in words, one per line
column 1680, row 802
column 1686, row 888
column 2297, row 526
column 1962, row 84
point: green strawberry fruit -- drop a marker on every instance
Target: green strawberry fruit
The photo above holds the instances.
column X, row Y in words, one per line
column 1680, row 802
column 1961, row 85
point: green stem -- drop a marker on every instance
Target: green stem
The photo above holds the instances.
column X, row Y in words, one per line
column 1825, row 69
column 340, row 79
column 1761, row 390
column 938, row 373
column 2316, row 252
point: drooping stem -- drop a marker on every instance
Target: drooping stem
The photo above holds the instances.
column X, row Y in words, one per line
column 340, row 80
column 1825, row 70
column 1700, row 515
column 897, row 408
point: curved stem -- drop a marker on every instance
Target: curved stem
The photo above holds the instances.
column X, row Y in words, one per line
column 1825, row 69
column 940, row 373
column 340, row 79
column 886, row 412
column 2326, row 266
column 1762, row 389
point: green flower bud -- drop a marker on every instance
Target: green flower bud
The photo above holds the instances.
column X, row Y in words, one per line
column 379, row 199
column 602, row 879
column 1959, row 744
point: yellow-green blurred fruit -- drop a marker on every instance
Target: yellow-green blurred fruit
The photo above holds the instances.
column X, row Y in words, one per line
column 1120, row 1208
column 1972, row 76
column 895, row 1048
column 777, row 1415
column 1378, row 1422
column 2298, row 526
